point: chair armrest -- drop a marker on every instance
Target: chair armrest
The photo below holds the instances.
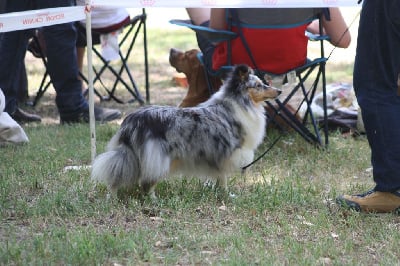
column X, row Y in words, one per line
column 316, row 37
column 211, row 34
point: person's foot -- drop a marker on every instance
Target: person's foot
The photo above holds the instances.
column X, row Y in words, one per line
column 23, row 117
column 106, row 114
column 101, row 114
column 372, row 202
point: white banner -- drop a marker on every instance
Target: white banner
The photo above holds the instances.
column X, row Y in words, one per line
column 50, row 16
column 39, row 18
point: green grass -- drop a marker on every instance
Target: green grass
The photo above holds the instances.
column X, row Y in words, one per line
column 283, row 213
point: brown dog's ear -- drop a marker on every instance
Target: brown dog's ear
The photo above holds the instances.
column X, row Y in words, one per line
column 192, row 58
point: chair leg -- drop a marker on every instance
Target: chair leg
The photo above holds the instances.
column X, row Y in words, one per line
column 292, row 121
column 146, row 63
column 131, row 88
column 84, row 79
column 41, row 90
column 136, row 25
column 325, row 104
column 310, row 135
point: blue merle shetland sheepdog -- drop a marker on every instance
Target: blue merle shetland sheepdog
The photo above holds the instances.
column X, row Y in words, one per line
column 210, row 140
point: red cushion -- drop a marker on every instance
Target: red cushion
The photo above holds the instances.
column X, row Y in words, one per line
column 113, row 27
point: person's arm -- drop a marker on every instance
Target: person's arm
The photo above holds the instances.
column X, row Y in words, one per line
column 335, row 28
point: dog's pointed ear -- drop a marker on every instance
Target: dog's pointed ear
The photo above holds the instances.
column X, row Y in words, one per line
column 243, row 71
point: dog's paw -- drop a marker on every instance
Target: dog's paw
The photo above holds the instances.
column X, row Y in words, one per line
column 209, row 183
column 232, row 195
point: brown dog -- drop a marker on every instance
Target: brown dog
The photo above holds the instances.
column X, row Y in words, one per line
column 189, row 64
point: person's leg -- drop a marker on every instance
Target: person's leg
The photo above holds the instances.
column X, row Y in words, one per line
column 376, row 69
column 22, row 85
column 380, row 112
column 375, row 82
column 12, row 53
column 3, row 7
column 80, row 50
column 81, row 55
column 63, row 69
column 199, row 15
column 62, row 63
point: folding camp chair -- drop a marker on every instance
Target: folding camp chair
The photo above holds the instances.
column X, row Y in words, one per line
column 276, row 23
column 122, row 73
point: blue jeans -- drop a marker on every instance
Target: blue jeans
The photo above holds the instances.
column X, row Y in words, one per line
column 61, row 55
column 376, row 71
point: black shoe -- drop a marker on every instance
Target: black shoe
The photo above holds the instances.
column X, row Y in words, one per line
column 23, row 117
column 100, row 114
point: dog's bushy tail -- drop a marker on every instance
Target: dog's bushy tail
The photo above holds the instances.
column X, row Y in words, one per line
column 117, row 167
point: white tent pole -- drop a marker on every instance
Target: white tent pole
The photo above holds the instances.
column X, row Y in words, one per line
column 92, row 121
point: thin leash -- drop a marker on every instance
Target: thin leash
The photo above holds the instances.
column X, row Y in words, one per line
column 262, row 155
column 347, row 29
column 279, row 137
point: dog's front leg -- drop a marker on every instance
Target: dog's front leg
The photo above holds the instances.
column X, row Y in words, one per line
column 223, row 182
column 148, row 189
